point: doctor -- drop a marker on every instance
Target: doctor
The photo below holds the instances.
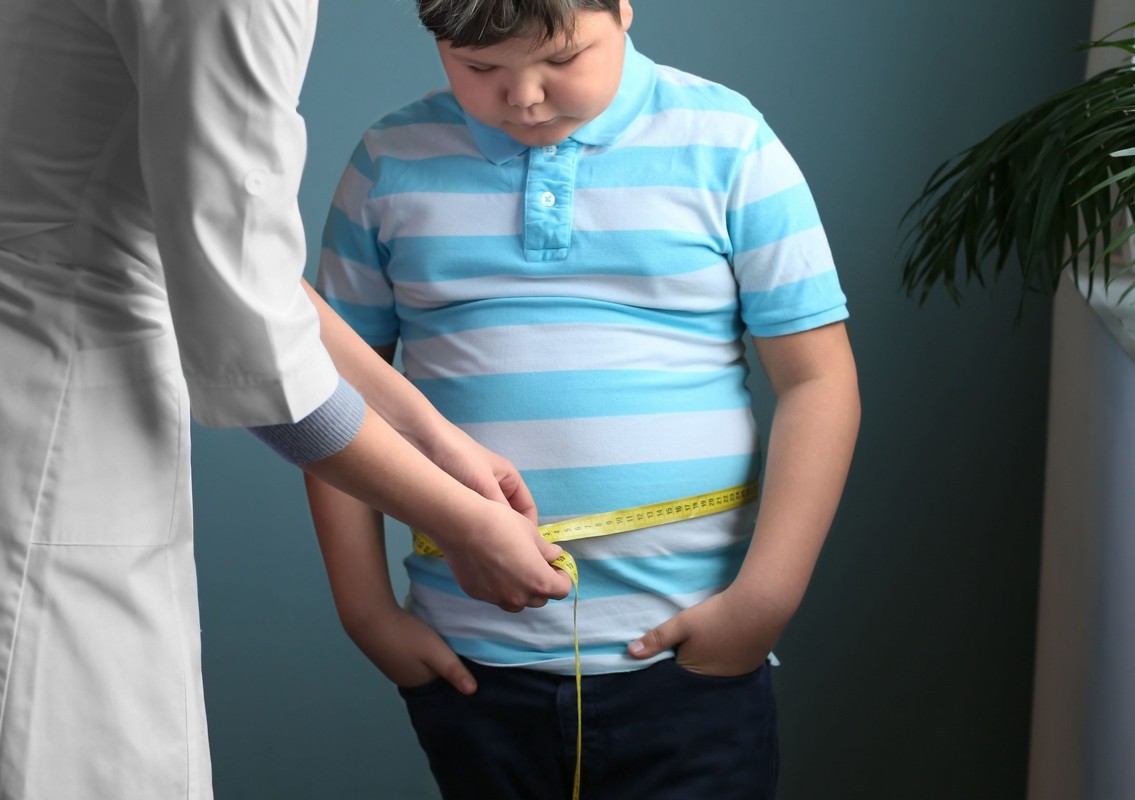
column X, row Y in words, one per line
column 151, row 255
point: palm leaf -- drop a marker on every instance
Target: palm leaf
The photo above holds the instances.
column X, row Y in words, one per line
column 1046, row 190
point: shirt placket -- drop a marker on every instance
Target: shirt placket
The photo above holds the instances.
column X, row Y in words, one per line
column 548, row 197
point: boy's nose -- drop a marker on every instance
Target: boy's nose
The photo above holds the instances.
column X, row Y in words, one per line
column 524, row 93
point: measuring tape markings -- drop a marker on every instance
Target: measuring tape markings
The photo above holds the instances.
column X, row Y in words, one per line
column 629, row 519
column 604, row 524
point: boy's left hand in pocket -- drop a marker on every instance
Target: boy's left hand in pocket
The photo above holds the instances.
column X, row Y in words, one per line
column 725, row 635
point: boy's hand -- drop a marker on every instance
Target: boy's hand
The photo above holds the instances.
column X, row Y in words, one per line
column 809, row 450
column 725, row 635
column 410, row 653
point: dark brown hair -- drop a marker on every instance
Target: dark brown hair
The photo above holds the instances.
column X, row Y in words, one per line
column 483, row 23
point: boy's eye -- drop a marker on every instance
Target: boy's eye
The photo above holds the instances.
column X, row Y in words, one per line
column 559, row 62
column 480, row 69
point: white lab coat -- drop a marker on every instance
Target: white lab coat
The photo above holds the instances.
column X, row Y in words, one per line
column 119, row 119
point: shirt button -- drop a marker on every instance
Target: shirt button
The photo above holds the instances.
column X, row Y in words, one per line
column 548, row 199
column 550, row 150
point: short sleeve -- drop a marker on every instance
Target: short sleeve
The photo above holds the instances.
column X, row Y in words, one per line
column 781, row 257
column 352, row 275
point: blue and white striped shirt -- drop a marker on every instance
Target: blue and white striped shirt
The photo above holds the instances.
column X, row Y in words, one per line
column 581, row 310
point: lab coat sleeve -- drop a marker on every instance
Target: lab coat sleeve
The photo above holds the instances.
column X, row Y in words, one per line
column 222, row 153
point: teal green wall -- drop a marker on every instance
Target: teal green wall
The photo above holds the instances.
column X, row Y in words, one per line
column 907, row 672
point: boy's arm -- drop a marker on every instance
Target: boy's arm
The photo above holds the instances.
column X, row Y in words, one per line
column 352, row 541
column 809, row 451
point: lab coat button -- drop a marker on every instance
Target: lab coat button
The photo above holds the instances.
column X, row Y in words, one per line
column 256, row 182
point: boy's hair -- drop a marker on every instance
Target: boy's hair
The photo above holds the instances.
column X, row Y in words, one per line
column 483, row 23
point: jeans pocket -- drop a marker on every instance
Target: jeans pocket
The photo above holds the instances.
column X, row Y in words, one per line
column 692, row 675
column 430, row 687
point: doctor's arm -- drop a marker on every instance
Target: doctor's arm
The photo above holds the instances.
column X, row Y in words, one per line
column 813, row 433
column 221, row 150
column 493, row 561
column 490, row 547
column 496, row 554
column 408, row 412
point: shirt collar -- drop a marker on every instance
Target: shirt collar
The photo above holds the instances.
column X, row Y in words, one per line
column 635, row 89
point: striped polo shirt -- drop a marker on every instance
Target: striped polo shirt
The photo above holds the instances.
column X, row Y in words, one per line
column 581, row 309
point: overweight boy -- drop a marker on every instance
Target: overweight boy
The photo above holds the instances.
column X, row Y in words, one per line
column 570, row 243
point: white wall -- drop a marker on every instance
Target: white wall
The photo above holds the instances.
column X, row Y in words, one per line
column 1083, row 736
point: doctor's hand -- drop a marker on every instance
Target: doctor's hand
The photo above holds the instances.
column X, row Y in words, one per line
column 496, row 554
column 501, row 558
column 485, row 472
column 731, row 633
column 505, row 563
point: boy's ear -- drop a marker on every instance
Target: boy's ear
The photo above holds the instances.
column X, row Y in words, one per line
column 626, row 13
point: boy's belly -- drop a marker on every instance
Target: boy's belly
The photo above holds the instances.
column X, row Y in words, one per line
column 628, row 584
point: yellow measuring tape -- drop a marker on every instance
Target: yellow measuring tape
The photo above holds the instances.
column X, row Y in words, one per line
column 604, row 524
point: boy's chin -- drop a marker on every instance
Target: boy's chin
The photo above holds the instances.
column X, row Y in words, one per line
column 542, row 135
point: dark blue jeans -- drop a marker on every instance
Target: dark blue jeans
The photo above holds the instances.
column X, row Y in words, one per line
column 660, row 733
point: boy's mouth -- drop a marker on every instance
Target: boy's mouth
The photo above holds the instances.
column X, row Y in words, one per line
column 536, row 124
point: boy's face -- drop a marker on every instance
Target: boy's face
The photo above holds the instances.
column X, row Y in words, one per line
column 541, row 96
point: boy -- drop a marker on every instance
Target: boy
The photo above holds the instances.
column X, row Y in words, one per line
column 569, row 243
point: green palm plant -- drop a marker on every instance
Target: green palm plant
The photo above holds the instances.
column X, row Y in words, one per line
column 1052, row 186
